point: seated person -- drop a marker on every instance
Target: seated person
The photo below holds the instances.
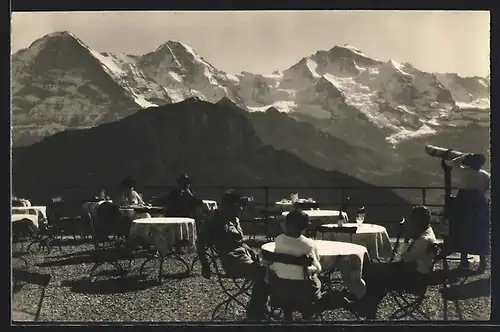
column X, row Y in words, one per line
column 130, row 197
column 414, row 265
column 128, row 194
column 180, row 202
column 293, row 242
column 225, row 234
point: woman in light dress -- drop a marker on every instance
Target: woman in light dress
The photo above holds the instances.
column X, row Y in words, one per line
column 128, row 194
column 469, row 219
column 130, row 197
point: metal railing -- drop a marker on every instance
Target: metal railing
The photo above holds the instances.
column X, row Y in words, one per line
column 265, row 196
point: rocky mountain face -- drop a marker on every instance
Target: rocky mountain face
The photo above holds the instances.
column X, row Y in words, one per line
column 216, row 145
column 385, row 112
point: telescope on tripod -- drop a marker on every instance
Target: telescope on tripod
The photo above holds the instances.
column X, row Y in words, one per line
column 445, row 155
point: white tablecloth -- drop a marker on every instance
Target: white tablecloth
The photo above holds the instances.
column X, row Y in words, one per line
column 346, row 257
column 373, row 237
column 33, row 213
column 30, row 210
column 164, row 232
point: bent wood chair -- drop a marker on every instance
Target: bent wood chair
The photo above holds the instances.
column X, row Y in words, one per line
column 410, row 300
column 108, row 223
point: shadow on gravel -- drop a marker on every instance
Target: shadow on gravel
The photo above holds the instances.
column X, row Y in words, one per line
column 110, row 286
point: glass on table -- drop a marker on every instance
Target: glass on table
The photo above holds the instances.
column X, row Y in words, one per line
column 360, row 216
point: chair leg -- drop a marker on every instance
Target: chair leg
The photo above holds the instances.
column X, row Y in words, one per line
column 196, row 258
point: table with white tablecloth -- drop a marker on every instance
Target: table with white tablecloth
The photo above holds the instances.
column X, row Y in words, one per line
column 373, row 237
column 346, row 257
column 34, row 213
column 164, row 232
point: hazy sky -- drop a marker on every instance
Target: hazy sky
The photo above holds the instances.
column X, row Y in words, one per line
column 265, row 41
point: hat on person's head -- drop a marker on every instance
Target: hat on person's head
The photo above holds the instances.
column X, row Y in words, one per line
column 183, row 178
column 474, row 161
column 231, row 197
column 128, row 182
column 297, row 218
column 420, row 213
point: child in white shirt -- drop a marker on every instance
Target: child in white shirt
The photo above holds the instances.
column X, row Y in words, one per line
column 294, row 284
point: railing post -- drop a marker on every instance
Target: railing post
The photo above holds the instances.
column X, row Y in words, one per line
column 342, row 195
column 266, row 197
column 424, row 191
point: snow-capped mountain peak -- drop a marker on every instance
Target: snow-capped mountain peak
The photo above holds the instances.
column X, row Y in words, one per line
column 342, row 90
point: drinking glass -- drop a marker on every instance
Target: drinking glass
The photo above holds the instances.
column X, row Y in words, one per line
column 360, row 217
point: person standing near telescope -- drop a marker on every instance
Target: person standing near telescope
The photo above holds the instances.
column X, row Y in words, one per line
column 470, row 233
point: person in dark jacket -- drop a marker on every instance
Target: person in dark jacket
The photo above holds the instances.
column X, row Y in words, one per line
column 180, row 202
column 238, row 260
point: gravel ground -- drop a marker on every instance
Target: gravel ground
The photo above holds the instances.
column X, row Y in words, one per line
column 135, row 298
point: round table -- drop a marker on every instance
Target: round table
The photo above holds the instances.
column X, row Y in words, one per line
column 42, row 210
column 373, row 237
column 164, row 232
column 347, row 257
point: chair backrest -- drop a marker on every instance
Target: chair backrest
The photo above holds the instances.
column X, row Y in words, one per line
column 106, row 221
column 302, row 261
column 273, row 257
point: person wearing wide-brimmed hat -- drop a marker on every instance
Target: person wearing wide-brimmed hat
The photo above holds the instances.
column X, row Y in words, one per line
column 181, row 201
column 469, row 220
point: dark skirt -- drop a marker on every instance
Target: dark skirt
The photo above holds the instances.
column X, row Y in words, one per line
column 470, row 223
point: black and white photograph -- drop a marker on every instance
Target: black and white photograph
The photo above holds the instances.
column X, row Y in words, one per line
column 260, row 167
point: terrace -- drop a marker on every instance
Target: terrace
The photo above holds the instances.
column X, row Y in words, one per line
column 139, row 297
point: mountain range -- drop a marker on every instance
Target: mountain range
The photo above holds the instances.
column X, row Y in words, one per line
column 337, row 109
column 213, row 143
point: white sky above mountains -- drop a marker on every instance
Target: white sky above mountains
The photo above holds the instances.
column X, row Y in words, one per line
column 265, row 41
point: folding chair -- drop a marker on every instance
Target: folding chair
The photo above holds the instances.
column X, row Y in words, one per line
column 32, row 278
column 22, row 231
column 106, row 224
column 419, row 291
column 308, row 307
column 235, row 288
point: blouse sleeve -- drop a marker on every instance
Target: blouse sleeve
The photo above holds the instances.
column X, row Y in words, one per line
column 139, row 198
